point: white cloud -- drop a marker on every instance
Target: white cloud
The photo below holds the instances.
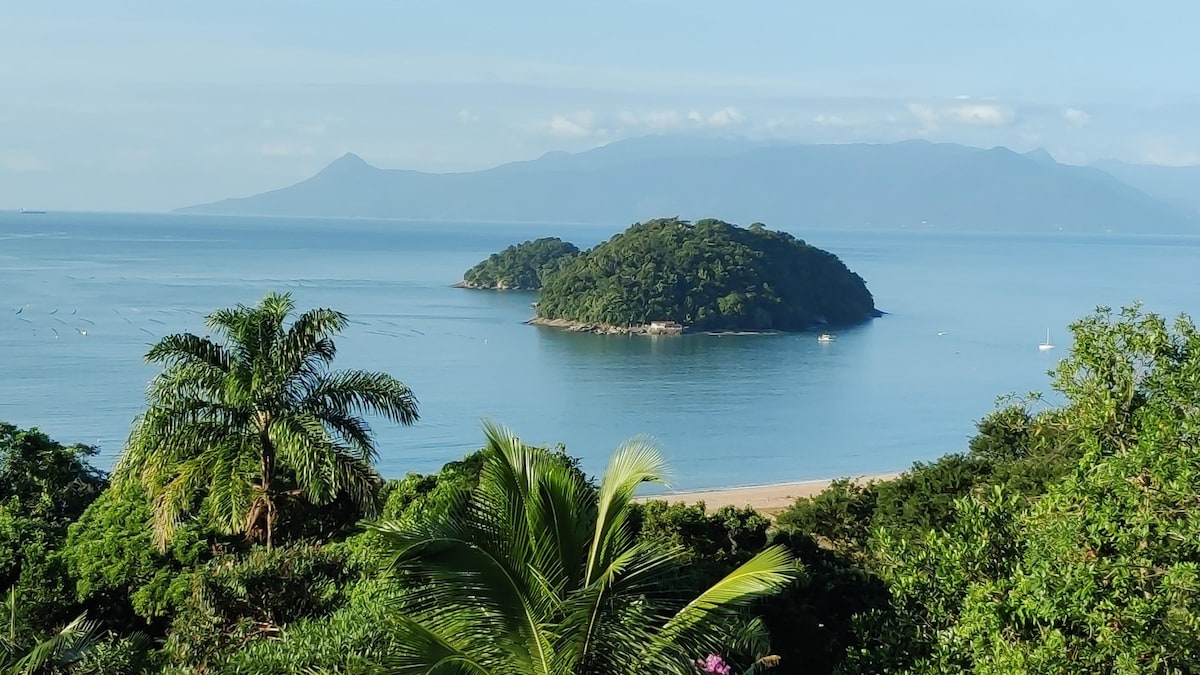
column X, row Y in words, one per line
column 22, row 163
column 467, row 117
column 926, row 115
column 725, row 117
column 573, row 125
column 1076, row 117
column 971, row 114
column 656, row 120
column 285, row 149
column 981, row 115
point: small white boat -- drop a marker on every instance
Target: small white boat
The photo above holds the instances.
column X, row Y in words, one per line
column 1047, row 345
column 826, row 337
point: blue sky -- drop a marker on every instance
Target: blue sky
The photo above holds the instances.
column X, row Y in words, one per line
column 140, row 105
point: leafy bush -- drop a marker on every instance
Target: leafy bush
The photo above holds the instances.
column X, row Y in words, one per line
column 118, row 571
column 233, row 599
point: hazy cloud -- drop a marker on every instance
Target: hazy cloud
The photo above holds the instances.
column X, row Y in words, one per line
column 1164, row 153
column 971, row 114
column 573, row 125
column 467, row 117
column 926, row 115
column 285, row 149
column 825, row 120
column 981, row 114
column 1076, row 117
column 726, row 117
column 657, row 120
column 23, row 163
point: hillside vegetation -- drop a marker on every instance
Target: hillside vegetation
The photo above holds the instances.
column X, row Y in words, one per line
column 521, row 267
column 1063, row 539
column 708, row 275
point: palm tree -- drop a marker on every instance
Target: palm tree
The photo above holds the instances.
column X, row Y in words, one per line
column 70, row 644
column 234, row 428
column 537, row 572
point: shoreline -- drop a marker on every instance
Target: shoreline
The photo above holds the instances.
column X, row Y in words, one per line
column 572, row 326
column 768, row 499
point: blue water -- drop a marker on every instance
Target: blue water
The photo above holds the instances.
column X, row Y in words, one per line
column 730, row 410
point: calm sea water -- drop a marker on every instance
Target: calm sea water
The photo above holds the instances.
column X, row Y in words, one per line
column 730, row 410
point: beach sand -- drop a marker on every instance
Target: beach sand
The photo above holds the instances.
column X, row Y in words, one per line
column 768, row 499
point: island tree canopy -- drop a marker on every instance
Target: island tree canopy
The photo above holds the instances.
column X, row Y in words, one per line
column 707, row 275
column 522, row 266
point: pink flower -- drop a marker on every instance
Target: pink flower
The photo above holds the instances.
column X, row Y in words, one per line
column 713, row 665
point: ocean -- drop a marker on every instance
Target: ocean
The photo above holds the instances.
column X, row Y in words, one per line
column 85, row 294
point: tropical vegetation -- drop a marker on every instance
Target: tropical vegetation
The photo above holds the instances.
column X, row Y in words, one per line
column 537, row 571
column 1065, row 538
column 521, row 267
column 257, row 421
column 706, row 275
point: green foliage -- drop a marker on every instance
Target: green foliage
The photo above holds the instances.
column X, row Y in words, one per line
column 233, row 599
column 708, row 275
column 236, row 430
column 840, row 515
column 353, row 640
column 522, row 267
column 710, row 545
column 537, row 571
column 119, row 571
column 44, row 486
column 1099, row 574
column 67, row 646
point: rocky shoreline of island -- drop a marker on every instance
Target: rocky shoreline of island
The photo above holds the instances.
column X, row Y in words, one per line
column 498, row 286
column 653, row 328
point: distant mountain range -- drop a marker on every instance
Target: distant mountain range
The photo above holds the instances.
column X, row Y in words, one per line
column 912, row 184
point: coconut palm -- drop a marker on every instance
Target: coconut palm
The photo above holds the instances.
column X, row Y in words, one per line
column 539, row 573
column 235, row 428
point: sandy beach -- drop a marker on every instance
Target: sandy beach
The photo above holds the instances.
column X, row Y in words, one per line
column 769, row 499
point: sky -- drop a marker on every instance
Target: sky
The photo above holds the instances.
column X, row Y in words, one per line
column 144, row 105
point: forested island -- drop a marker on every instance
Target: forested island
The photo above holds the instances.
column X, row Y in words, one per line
column 704, row 276
column 521, row 267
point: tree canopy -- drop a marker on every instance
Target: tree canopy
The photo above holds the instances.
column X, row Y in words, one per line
column 235, row 429
column 521, row 267
column 1063, row 539
column 706, row 275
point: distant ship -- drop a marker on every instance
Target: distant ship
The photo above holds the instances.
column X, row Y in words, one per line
column 31, row 211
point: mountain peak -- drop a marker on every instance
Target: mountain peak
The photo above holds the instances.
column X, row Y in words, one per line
column 1040, row 154
column 348, row 163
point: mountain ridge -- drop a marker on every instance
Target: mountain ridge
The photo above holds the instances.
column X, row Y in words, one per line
column 911, row 184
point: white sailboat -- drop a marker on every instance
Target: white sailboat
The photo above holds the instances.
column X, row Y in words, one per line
column 1047, row 345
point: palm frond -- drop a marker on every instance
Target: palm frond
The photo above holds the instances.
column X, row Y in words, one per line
column 192, row 350
column 361, row 392
column 67, row 646
column 766, row 573
column 635, row 462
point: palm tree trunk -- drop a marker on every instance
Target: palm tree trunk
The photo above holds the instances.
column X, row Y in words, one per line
column 268, row 482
